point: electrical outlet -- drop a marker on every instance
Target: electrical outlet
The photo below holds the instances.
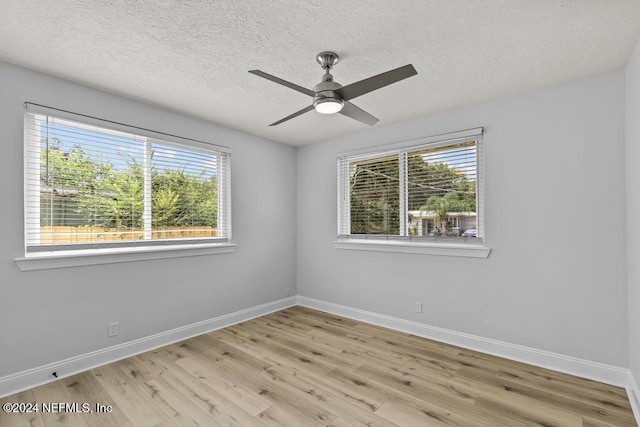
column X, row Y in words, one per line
column 418, row 307
column 112, row 330
column 287, row 291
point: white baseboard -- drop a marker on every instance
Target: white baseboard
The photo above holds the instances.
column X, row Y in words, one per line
column 25, row 380
column 633, row 391
column 567, row 364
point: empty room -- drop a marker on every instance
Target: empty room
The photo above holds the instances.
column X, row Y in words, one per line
column 291, row 213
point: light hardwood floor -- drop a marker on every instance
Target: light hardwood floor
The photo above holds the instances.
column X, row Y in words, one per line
column 301, row 367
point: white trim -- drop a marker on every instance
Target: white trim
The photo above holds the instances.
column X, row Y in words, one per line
column 472, row 251
column 63, row 259
column 480, row 222
column 25, row 380
column 633, row 391
column 601, row 372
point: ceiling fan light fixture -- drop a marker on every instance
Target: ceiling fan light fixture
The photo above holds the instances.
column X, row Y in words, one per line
column 328, row 105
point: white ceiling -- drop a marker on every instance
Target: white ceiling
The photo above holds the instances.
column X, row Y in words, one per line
column 193, row 56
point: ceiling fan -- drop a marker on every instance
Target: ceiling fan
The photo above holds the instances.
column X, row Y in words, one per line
column 330, row 97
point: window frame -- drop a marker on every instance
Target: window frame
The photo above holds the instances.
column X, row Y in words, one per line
column 66, row 255
column 403, row 243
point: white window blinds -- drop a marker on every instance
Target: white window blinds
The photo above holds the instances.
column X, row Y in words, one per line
column 428, row 190
column 97, row 184
column 375, row 196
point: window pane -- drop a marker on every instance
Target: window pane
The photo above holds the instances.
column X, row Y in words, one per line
column 184, row 193
column 90, row 184
column 375, row 196
column 441, row 185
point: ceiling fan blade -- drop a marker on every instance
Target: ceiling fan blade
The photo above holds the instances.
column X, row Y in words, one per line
column 356, row 113
column 283, row 82
column 296, row 114
column 376, row 82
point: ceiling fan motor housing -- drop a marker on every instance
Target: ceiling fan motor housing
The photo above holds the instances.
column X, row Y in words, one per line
column 325, row 95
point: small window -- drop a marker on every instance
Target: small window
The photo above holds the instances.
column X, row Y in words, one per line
column 428, row 190
column 93, row 184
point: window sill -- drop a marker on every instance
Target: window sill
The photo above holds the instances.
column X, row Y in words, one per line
column 49, row 260
column 471, row 251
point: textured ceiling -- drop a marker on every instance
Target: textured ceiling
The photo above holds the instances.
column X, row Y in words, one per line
column 193, row 56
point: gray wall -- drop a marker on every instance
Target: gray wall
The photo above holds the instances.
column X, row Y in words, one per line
column 50, row 315
column 633, row 207
column 556, row 278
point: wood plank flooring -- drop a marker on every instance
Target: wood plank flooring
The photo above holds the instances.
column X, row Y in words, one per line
column 301, row 367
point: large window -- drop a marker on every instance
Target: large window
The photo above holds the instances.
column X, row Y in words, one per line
column 426, row 191
column 97, row 184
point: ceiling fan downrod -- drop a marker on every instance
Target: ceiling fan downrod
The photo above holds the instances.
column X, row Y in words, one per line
column 326, row 100
column 327, row 60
